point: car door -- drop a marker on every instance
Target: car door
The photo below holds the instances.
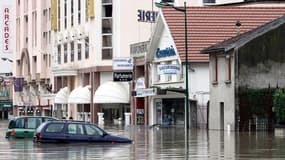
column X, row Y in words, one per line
column 75, row 133
column 93, row 133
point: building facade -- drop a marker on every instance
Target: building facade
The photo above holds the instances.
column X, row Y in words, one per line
column 88, row 36
column 248, row 73
column 32, row 58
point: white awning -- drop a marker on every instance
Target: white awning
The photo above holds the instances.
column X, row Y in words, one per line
column 112, row 92
column 62, row 96
column 80, row 95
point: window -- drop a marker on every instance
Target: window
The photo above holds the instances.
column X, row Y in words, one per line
column 75, row 129
column 59, row 54
column 20, row 123
column 54, row 128
column 229, row 71
column 33, row 123
column 79, row 12
column 86, row 10
column 93, row 130
column 215, row 71
column 65, row 14
column 72, row 12
column 58, row 15
column 79, row 48
column 65, row 53
column 72, row 51
column 86, row 48
column 107, row 29
column 209, row 1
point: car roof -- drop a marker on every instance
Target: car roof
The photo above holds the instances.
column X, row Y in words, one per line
column 32, row 117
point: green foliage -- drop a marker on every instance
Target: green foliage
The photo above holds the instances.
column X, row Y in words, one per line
column 279, row 105
column 257, row 100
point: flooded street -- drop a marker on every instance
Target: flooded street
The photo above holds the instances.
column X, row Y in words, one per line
column 154, row 143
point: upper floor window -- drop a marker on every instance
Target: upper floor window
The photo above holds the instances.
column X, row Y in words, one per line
column 79, row 12
column 72, row 51
column 79, row 48
column 229, row 70
column 59, row 54
column 58, row 14
column 72, row 12
column 86, row 48
column 65, row 14
column 65, row 52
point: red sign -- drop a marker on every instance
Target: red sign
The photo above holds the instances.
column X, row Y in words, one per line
column 6, row 29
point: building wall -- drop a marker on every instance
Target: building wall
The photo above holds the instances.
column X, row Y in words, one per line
column 265, row 68
column 222, row 92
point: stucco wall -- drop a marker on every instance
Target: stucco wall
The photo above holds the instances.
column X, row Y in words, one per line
column 222, row 92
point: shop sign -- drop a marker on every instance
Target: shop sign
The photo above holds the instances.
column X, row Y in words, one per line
column 146, row 92
column 123, row 64
column 139, row 49
column 168, row 69
column 147, row 16
column 122, row 76
column 167, row 52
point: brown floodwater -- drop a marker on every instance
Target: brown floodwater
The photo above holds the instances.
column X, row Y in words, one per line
column 154, row 143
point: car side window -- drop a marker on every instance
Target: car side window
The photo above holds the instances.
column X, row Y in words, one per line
column 20, row 123
column 33, row 123
column 54, row 128
column 75, row 129
column 93, row 131
column 12, row 124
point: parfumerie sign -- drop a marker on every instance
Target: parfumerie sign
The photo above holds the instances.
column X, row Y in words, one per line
column 122, row 76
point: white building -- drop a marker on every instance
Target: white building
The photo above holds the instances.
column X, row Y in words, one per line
column 88, row 35
column 7, row 12
column 32, row 58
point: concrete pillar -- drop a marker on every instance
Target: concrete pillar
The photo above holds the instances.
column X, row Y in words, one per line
column 100, row 118
column 127, row 118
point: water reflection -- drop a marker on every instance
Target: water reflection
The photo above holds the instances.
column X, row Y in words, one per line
column 154, row 143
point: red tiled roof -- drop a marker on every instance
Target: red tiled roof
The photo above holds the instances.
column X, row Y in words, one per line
column 210, row 25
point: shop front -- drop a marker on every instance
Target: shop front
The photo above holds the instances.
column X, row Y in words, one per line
column 169, row 111
column 6, row 109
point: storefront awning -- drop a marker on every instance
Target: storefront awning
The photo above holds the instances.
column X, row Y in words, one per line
column 62, row 96
column 80, row 95
column 112, row 92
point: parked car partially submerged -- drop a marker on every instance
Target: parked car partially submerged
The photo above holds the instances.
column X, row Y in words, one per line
column 74, row 131
column 24, row 127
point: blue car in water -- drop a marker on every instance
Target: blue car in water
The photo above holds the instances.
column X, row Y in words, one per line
column 74, row 131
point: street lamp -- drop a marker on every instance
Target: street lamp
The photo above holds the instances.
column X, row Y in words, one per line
column 184, row 10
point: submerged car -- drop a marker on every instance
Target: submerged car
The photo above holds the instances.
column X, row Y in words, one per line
column 74, row 131
column 24, row 127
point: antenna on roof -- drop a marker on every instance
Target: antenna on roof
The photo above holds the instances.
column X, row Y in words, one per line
column 238, row 24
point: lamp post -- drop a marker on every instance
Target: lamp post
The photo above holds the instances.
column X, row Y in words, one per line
column 184, row 10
